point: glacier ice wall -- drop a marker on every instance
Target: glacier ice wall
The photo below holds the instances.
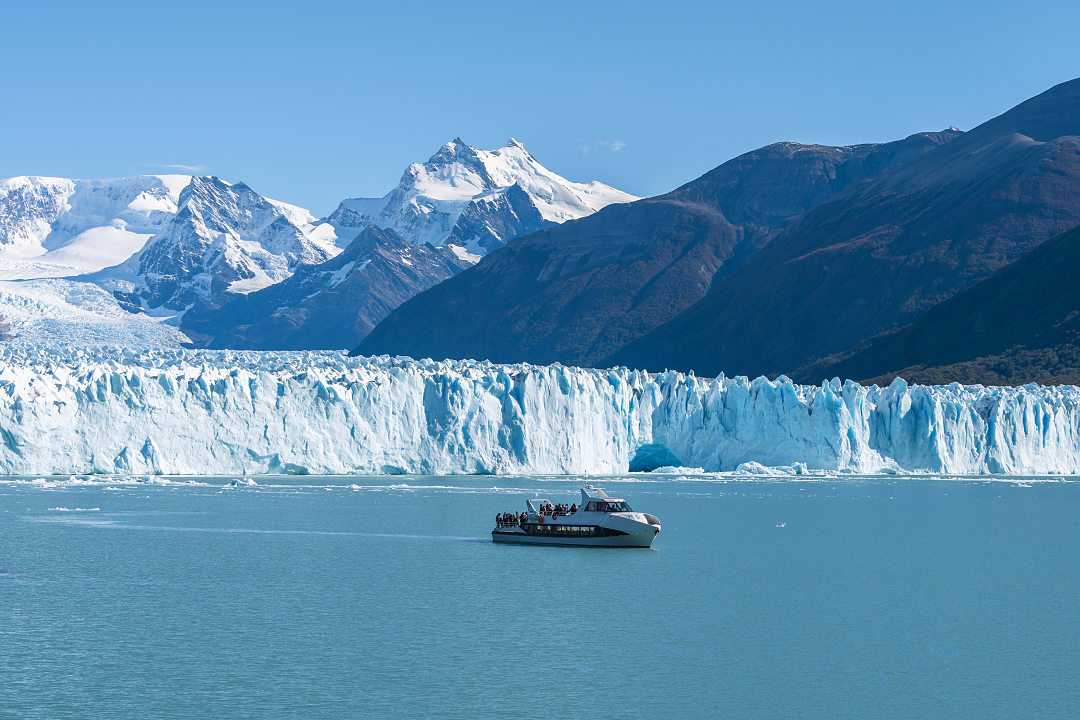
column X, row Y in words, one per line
column 203, row 412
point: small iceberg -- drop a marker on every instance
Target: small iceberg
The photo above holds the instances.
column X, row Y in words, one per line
column 755, row 468
column 677, row 470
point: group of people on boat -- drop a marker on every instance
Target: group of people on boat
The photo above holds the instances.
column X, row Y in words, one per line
column 508, row 519
column 556, row 510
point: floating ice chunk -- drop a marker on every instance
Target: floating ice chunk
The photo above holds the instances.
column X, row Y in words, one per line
column 756, row 468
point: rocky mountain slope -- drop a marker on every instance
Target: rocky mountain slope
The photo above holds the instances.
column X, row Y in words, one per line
column 1020, row 325
column 576, row 292
column 884, row 251
column 326, row 306
column 224, row 239
column 443, row 215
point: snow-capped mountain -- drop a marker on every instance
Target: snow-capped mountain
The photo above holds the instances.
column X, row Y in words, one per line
column 162, row 245
column 51, row 227
column 444, row 214
column 155, row 241
column 224, row 238
column 330, row 305
column 474, row 200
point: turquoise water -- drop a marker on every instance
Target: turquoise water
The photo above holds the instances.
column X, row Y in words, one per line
column 314, row 599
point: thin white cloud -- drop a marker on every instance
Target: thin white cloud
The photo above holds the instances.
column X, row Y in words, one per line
column 605, row 145
column 178, row 167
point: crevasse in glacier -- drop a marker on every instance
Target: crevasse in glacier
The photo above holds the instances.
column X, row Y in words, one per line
column 202, row 412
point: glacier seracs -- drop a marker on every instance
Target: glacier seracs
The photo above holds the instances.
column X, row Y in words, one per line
column 203, row 412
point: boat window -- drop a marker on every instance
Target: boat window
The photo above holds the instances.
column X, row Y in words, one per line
column 573, row 530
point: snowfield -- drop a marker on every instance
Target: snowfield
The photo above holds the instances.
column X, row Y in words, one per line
column 53, row 227
column 65, row 313
column 199, row 412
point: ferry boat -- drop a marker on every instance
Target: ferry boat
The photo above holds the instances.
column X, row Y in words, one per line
column 599, row 521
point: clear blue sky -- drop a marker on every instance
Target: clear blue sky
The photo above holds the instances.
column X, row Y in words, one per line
column 314, row 101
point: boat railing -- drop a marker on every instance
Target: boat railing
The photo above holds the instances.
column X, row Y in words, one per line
column 541, row 517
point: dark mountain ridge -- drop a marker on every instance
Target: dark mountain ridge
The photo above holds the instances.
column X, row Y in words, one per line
column 884, row 251
column 574, row 292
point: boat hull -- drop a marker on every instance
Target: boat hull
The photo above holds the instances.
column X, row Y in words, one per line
column 631, row 540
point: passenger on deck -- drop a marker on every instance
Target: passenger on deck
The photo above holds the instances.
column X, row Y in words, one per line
column 573, row 508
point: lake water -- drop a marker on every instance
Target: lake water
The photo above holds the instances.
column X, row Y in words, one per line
column 384, row 598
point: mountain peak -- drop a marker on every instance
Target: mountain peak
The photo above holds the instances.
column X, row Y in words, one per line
column 473, row 198
column 225, row 238
column 452, row 151
column 207, row 180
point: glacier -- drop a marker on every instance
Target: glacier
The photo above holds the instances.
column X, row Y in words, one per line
column 165, row 411
column 58, row 312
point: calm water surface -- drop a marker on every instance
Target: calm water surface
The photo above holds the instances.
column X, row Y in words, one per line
column 384, row 598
